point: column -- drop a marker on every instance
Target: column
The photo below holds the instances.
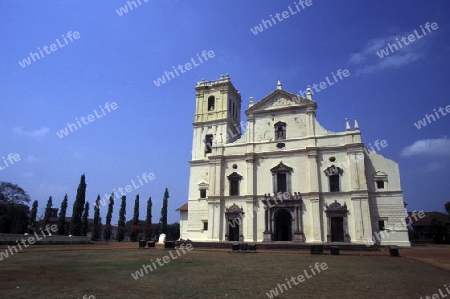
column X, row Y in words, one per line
column 211, row 221
column 310, row 126
column 248, row 234
column 366, row 220
column 313, row 173
column 249, row 177
column 317, row 226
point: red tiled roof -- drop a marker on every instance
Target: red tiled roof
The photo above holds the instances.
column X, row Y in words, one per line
column 183, row 208
column 429, row 216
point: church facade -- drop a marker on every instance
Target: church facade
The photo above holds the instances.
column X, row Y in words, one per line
column 281, row 176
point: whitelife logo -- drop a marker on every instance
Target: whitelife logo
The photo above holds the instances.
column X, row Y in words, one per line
column 11, row 158
column 423, row 122
column 187, row 66
column 301, row 278
column 411, row 38
column 147, row 177
column 71, row 36
column 166, row 259
column 123, row 10
column 27, row 242
column 284, row 15
column 90, row 118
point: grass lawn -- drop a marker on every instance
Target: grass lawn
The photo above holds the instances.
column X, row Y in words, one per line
column 211, row 274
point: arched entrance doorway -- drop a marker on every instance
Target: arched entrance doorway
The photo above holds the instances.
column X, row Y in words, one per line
column 283, row 226
column 234, row 230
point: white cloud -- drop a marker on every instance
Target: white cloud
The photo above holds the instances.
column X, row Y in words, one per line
column 428, row 147
column 34, row 133
column 28, row 175
column 32, row 158
column 434, row 166
column 370, row 62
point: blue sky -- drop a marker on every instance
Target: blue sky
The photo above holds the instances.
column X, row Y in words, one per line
column 116, row 59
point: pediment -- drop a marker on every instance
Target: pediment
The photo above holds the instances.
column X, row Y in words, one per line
column 281, row 167
column 279, row 99
column 380, row 175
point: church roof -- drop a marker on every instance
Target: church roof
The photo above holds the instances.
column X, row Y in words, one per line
column 428, row 218
column 183, row 208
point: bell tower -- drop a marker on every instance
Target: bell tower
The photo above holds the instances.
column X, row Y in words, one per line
column 217, row 116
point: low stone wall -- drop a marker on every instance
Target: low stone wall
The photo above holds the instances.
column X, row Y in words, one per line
column 12, row 239
column 284, row 245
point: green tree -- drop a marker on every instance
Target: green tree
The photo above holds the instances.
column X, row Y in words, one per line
column 32, row 225
column 12, row 193
column 121, row 224
column 163, row 219
column 148, row 220
column 108, row 218
column 438, row 230
column 14, row 209
column 173, row 231
column 78, row 207
column 96, row 229
column 62, row 217
column 135, row 224
column 48, row 211
column 85, row 222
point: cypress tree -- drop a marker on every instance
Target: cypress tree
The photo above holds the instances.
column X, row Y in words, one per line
column 84, row 222
column 108, row 218
column 48, row 211
column 78, row 206
column 62, row 217
column 96, row 229
column 135, row 223
column 163, row 219
column 121, row 224
column 32, row 225
column 148, row 220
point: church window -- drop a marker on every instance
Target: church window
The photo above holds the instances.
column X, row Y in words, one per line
column 380, row 184
column 381, row 225
column 380, row 180
column 234, row 180
column 333, row 173
column 205, row 225
column 281, row 182
column 334, row 183
column 281, row 178
column 280, row 130
column 208, row 144
column 211, row 103
column 202, row 193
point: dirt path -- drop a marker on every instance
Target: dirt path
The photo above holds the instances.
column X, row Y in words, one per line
column 435, row 255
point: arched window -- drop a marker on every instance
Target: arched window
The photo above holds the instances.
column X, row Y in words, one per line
column 280, row 130
column 211, row 103
column 208, row 144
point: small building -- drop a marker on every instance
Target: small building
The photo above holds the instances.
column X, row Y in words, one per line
column 183, row 220
column 433, row 227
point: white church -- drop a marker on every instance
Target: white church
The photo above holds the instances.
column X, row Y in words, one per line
column 285, row 177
